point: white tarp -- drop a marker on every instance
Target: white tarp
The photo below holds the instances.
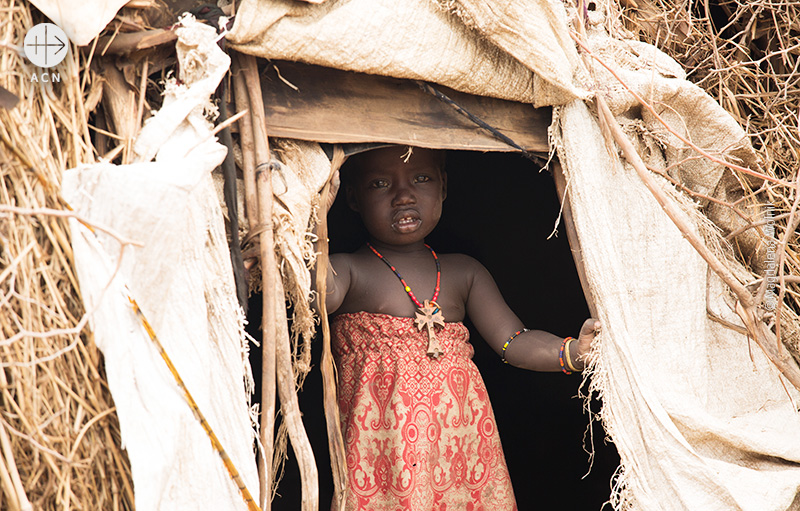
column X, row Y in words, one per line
column 701, row 419
column 699, row 416
column 464, row 46
column 181, row 278
column 82, row 21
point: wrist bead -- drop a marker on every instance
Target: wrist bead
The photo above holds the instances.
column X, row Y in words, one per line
column 561, row 356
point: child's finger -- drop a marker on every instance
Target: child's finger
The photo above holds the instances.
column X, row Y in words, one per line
column 590, row 327
column 588, row 333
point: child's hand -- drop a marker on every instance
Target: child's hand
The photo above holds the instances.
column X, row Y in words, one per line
column 588, row 334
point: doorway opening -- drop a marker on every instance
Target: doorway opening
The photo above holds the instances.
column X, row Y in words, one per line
column 501, row 210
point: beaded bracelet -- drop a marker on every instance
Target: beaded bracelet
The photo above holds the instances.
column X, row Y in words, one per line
column 513, row 336
column 570, row 365
column 561, row 355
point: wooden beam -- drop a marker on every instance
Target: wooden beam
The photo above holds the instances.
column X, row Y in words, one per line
column 329, row 105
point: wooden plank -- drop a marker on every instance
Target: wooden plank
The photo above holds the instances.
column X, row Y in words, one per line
column 334, row 106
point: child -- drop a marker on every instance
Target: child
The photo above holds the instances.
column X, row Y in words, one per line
column 419, row 429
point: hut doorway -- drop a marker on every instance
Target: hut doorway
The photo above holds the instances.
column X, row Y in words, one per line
column 500, row 210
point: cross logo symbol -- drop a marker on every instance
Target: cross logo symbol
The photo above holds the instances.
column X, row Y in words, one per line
column 46, row 45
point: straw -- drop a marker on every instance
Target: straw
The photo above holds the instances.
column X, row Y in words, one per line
column 59, row 433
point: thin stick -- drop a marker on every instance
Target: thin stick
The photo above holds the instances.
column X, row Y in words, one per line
column 248, row 149
column 791, row 225
column 572, row 235
column 128, row 42
column 793, row 279
column 330, row 403
column 221, row 126
column 57, row 455
column 10, row 489
column 263, row 176
column 104, row 132
column 109, row 156
column 215, row 443
column 669, row 207
column 111, row 39
column 290, row 408
column 25, row 161
column 126, row 484
column 8, row 460
column 232, row 119
column 69, row 214
column 142, row 92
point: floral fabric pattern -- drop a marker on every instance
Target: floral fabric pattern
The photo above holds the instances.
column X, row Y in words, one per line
column 420, row 433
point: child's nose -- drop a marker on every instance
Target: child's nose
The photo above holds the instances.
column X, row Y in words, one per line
column 403, row 195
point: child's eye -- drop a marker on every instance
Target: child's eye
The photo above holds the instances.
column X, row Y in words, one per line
column 379, row 183
column 422, row 178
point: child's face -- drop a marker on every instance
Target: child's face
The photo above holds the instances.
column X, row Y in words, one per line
column 399, row 202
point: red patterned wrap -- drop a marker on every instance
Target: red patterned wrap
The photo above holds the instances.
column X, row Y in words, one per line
column 420, row 433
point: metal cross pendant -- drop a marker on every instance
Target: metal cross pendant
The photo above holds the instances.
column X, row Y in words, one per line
column 430, row 316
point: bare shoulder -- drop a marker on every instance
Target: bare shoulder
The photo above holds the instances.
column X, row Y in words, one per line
column 466, row 266
column 347, row 266
column 342, row 263
column 341, row 258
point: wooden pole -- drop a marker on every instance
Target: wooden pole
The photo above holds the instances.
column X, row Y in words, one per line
column 248, row 150
column 263, row 179
column 277, row 369
column 290, row 408
column 330, row 402
column 572, row 235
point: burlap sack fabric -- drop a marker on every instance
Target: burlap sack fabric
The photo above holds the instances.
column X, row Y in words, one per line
column 421, row 40
column 699, row 416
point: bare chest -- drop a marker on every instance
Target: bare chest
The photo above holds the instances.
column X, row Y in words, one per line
column 377, row 288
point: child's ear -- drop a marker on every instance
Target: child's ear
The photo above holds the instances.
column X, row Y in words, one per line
column 352, row 200
column 444, row 184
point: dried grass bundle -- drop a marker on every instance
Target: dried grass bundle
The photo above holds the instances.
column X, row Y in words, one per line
column 59, row 433
column 746, row 55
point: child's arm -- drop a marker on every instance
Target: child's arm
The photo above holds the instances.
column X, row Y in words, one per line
column 496, row 322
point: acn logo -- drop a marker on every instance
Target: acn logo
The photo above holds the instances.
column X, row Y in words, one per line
column 46, row 45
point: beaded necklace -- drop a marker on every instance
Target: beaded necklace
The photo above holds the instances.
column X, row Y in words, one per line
column 429, row 314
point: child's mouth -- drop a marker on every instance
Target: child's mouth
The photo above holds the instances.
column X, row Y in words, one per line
column 406, row 223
